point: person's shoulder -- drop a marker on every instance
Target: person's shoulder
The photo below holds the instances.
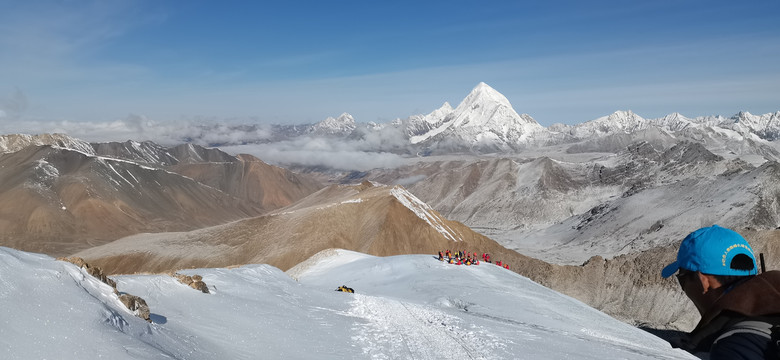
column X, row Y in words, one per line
column 772, row 277
column 745, row 340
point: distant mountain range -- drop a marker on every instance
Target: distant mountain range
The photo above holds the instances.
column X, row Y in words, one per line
column 485, row 122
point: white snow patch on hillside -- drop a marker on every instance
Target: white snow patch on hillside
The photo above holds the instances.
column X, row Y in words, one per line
column 45, row 169
column 108, row 163
column 352, row 201
column 420, row 138
column 328, row 206
column 423, row 211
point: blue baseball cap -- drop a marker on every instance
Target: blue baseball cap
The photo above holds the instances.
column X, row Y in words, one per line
column 709, row 250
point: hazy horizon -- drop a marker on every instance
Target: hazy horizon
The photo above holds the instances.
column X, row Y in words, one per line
column 563, row 62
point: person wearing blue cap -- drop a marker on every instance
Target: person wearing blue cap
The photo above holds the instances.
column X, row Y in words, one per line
column 740, row 309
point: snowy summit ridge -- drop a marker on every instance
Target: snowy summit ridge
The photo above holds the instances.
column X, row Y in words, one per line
column 484, row 119
column 617, row 122
column 342, row 125
column 480, row 106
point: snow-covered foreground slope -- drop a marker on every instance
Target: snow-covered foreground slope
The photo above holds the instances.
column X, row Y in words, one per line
column 411, row 306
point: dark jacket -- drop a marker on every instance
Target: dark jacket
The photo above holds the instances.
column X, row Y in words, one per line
column 757, row 298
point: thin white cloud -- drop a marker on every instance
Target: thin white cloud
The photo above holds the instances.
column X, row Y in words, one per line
column 319, row 152
column 358, row 155
column 140, row 128
column 407, row 181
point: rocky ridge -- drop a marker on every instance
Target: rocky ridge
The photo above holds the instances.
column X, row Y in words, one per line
column 370, row 218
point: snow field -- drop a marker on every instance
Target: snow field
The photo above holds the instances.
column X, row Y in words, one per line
column 395, row 327
column 411, row 306
column 54, row 310
column 422, row 308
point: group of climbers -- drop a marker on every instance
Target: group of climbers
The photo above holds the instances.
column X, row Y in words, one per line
column 504, row 265
column 466, row 258
column 459, row 258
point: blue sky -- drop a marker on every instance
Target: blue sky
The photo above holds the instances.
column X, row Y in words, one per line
column 300, row 62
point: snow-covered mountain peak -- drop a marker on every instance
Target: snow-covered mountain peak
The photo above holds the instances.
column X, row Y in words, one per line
column 675, row 116
column 622, row 121
column 623, row 116
column 483, row 90
column 441, row 112
column 675, row 122
column 486, row 107
column 744, row 115
column 346, row 118
column 757, row 120
column 420, row 125
column 344, row 124
column 484, row 119
column 435, row 117
column 482, row 100
column 766, row 126
column 16, row 142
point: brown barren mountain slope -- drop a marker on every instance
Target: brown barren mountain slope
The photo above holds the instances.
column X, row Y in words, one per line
column 373, row 219
column 58, row 201
column 247, row 177
column 59, row 195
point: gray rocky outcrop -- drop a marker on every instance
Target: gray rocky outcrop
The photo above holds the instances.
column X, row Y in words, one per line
column 194, row 281
column 134, row 303
column 92, row 270
column 137, row 305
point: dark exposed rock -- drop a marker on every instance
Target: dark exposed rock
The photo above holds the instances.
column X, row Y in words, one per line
column 194, row 281
column 92, row 270
column 594, row 213
column 688, row 152
column 136, row 304
column 555, row 177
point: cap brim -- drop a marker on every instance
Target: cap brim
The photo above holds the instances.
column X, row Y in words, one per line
column 670, row 269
